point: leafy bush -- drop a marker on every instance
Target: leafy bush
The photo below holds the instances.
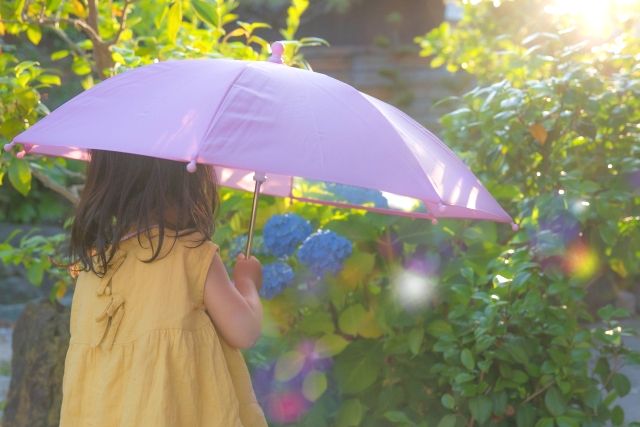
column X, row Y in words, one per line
column 472, row 325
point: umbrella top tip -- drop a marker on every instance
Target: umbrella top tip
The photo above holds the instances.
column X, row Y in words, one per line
column 9, row 146
column 277, row 50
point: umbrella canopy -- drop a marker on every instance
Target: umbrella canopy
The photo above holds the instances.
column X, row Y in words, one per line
column 301, row 128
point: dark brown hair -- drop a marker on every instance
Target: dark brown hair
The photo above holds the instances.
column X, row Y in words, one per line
column 127, row 193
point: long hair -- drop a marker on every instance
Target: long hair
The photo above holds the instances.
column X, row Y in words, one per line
column 127, row 193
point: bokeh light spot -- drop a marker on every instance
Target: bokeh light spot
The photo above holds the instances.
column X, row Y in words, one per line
column 414, row 290
column 287, row 407
column 581, row 261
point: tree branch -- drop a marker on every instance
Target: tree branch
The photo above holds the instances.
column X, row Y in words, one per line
column 92, row 18
column 68, row 194
column 72, row 45
column 538, row 392
column 123, row 20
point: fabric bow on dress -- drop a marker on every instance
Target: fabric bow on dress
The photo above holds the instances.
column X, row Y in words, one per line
column 112, row 315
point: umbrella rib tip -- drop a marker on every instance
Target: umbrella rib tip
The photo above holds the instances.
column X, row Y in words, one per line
column 191, row 166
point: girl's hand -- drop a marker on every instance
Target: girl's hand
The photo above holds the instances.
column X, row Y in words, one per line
column 248, row 270
column 235, row 308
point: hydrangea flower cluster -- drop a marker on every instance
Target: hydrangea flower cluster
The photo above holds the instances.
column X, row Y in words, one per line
column 283, row 233
column 275, row 278
column 358, row 196
column 240, row 243
column 324, row 252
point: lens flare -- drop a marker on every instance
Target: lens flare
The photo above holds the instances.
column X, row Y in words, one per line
column 597, row 18
column 287, row 407
column 581, row 261
column 414, row 290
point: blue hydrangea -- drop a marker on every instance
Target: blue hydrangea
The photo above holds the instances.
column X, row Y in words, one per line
column 357, row 195
column 275, row 278
column 324, row 252
column 283, row 233
column 239, row 244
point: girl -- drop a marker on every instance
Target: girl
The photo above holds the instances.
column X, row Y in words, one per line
column 156, row 323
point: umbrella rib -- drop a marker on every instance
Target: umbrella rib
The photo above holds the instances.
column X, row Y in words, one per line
column 424, row 173
column 216, row 114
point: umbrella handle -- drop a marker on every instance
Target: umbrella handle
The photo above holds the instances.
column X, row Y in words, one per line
column 259, row 178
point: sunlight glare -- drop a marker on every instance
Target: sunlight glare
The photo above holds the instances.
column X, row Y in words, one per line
column 402, row 203
column 598, row 18
column 414, row 290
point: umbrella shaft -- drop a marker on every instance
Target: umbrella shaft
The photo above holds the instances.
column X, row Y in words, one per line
column 254, row 210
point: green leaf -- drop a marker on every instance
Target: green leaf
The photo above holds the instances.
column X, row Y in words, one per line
column 174, row 20
column 518, row 353
column 316, row 323
column 289, row 365
column 592, row 397
column 602, row 368
column 464, row 377
column 525, row 416
column 25, row 65
column 34, row 34
column 80, row 66
column 617, row 416
column 35, row 272
column 438, row 328
column 481, row 407
column 20, row 176
column 350, row 413
column 351, row 318
column 545, row 422
column 555, row 402
column 467, row 273
column 448, row 421
column 50, row 79
column 500, row 401
column 621, row 384
column 358, row 368
column 448, row 401
column 567, row 422
column 466, row 357
column 205, row 11
column 397, row 417
column 330, row 345
column 416, row 337
column 59, row 54
column 314, row 385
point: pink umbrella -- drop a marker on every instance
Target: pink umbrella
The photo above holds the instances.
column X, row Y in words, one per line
column 250, row 119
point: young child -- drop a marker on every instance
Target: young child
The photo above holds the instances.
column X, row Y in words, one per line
column 156, row 323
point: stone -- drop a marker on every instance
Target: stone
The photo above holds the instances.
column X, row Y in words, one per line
column 40, row 341
column 16, row 290
column 10, row 313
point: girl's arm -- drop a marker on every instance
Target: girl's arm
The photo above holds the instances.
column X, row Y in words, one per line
column 235, row 310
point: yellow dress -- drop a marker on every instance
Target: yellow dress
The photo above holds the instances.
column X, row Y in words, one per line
column 143, row 351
